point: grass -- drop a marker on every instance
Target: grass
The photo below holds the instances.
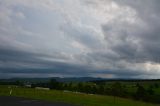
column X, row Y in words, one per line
column 69, row 97
column 157, row 91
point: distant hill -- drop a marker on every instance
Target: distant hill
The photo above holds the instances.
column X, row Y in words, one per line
column 71, row 79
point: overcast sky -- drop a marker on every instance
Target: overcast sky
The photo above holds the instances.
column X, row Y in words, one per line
column 80, row 38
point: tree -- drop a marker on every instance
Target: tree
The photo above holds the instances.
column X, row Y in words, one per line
column 87, row 88
column 94, row 89
column 65, row 87
column 53, row 84
column 80, row 87
column 156, row 85
column 101, row 89
column 116, row 90
column 140, row 93
column 70, row 87
column 150, row 90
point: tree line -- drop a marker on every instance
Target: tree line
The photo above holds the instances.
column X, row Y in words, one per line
column 116, row 89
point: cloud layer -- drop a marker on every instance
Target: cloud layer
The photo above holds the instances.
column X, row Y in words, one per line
column 75, row 38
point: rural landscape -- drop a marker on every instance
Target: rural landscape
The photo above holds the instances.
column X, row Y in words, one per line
column 79, row 52
column 86, row 93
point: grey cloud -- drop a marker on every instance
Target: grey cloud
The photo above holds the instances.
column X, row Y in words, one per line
column 123, row 51
column 123, row 37
column 16, row 61
column 83, row 36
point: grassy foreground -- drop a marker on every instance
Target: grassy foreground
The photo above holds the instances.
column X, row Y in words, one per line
column 69, row 97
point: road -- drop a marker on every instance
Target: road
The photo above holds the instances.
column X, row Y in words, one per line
column 17, row 101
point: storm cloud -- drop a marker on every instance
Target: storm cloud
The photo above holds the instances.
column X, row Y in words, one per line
column 79, row 38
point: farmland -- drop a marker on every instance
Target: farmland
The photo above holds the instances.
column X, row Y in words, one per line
column 70, row 97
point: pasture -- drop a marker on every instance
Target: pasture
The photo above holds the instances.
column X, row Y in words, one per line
column 69, row 97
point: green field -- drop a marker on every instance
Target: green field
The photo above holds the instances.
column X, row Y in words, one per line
column 70, row 97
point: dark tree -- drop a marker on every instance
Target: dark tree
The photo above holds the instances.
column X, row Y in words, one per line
column 150, row 90
column 117, row 89
column 80, row 87
column 156, row 85
column 70, row 86
column 140, row 93
column 101, row 89
column 87, row 88
column 53, row 84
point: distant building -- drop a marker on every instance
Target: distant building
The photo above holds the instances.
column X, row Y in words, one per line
column 28, row 86
column 41, row 88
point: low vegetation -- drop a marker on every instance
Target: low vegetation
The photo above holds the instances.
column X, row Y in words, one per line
column 69, row 97
column 110, row 91
column 147, row 91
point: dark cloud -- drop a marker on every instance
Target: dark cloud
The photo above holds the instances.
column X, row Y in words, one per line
column 140, row 43
column 20, row 62
column 90, row 38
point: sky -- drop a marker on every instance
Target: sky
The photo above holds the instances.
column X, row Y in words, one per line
column 80, row 38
